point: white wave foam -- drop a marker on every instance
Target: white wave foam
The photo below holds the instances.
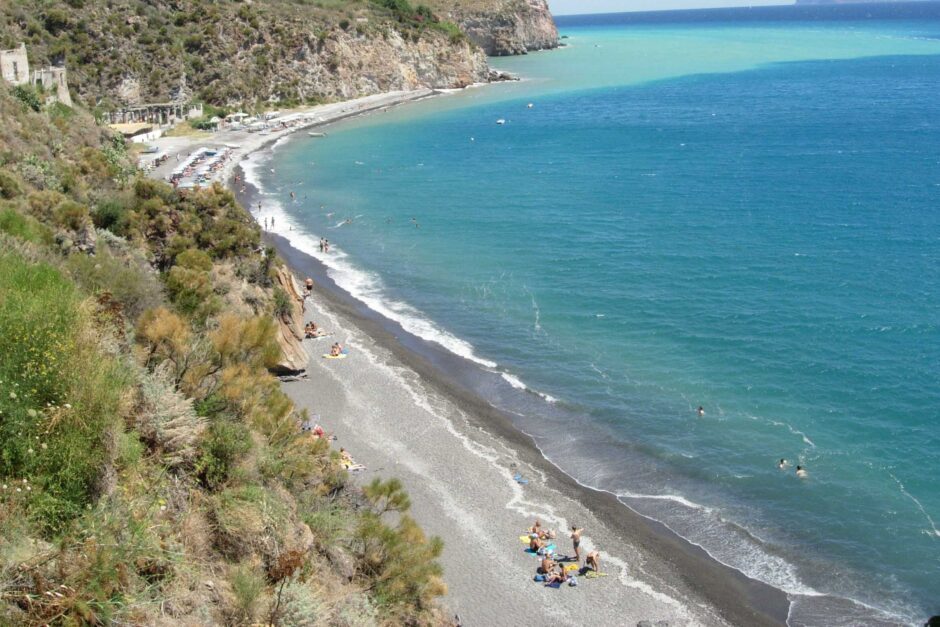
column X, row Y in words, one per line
column 280, row 142
column 933, row 527
column 517, row 383
column 362, row 285
column 681, row 500
column 513, row 381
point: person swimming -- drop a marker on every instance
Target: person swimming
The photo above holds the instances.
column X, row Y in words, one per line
column 782, row 464
column 701, row 411
column 801, row 472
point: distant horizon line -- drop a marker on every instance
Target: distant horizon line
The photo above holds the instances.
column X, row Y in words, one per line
column 760, row 6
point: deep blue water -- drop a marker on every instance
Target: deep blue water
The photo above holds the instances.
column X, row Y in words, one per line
column 755, row 235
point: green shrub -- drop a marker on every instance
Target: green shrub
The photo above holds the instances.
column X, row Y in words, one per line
column 248, row 586
column 193, row 259
column 400, row 561
column 27, row 95
column 9, row 185
column 22, row 226
column 71, row 215
column 191, row 292
column 136, row 288
column 60, row 397
column 282, row 303
column 224, row 445
column 112, row 215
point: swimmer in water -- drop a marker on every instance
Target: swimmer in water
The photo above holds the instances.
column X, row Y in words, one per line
column 782, row 464
column 801, row 472
column 701, row 411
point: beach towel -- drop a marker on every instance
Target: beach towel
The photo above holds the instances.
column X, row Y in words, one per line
column 593, row 575
column 571, row 567
column 525, row 539
column 328, row 356
column 555, row 585
column 539, row 578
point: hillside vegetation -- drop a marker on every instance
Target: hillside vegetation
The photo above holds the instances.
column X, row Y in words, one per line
column 236, row 52
column 151, row 470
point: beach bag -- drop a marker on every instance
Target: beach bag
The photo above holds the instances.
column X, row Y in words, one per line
column 572, row 581
column 539, row 578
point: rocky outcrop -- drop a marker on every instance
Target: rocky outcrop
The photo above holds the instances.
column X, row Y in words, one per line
column 290, row 327
column 511, row 27
column 348, row 65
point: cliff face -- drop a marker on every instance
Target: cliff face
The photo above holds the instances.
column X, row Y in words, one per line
column 506, row 27
column 348, row 65
column 228, row 52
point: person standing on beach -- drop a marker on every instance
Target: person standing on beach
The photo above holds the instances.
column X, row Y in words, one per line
column 576, row 541
column 593, row 560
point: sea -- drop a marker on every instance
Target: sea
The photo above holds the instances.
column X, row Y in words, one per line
column 735, row 209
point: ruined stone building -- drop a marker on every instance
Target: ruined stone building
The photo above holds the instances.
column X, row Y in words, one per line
column 14, row 65
column 53, row 81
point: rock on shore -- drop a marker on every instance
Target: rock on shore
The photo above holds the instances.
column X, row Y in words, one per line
column 290, row 326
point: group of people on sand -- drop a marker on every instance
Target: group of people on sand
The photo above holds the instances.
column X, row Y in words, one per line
column 554, row 570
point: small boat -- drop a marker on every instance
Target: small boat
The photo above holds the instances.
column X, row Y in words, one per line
column 312, row 134
column 500, row 121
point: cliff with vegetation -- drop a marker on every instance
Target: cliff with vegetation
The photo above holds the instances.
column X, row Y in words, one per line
column 152, row 472
column 503, row 27
column 229, row 52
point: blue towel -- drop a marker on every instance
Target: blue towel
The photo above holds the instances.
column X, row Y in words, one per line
column 556, row 585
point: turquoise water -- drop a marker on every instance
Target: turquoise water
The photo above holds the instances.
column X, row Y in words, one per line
column 743, row 216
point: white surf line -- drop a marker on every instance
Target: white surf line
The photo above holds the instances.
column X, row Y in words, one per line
column 517, row 503
column 934, row 532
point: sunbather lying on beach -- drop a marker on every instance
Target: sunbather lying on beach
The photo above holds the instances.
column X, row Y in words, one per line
column 336, row 350
column 536, row 544
column 312, row 331
column 559, row 575
column 547, row 565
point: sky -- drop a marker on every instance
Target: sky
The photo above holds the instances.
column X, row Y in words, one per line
column 572, row 7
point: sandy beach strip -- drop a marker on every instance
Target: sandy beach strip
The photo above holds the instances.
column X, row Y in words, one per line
column 242, row 143
column 402, row 417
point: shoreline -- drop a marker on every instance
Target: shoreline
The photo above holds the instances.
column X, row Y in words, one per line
column 243, row 144
column 734, row 597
